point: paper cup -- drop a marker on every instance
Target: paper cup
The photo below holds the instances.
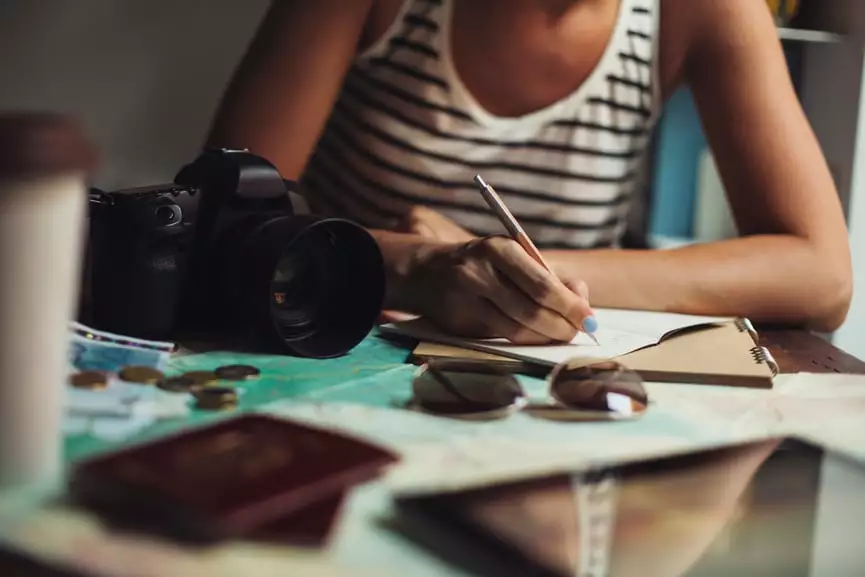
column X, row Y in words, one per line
column 44, row 160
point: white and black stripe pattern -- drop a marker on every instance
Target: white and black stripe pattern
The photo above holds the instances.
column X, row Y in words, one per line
column 405, row 132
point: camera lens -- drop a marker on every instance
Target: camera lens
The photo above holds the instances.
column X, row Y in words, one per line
column 167, row 214
column 314, row 285
column 295, row 302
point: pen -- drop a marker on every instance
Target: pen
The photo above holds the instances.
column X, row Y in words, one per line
column 513, row 227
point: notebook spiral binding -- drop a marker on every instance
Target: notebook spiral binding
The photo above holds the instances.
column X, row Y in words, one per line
column 745, row 326
column 762, row 356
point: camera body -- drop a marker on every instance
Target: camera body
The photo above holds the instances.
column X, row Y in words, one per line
column 139, row 249
column 220, row 250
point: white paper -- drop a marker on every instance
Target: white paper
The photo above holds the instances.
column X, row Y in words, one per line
column 115, row 399
column 121, row 410
column 620, row 332
column 652, row 323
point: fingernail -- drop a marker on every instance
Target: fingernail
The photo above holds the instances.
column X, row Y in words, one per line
column 590, row 324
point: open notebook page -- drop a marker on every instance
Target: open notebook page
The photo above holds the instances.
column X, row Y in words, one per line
column 651, row 323
column 620, row 333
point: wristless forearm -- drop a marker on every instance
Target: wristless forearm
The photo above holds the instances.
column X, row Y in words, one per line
column 401, row 253
column 772, row 278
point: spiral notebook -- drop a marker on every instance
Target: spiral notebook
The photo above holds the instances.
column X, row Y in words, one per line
column 725, row 353
column 621, row 331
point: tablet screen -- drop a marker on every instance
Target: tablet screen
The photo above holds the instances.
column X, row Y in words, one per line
column 781, row 508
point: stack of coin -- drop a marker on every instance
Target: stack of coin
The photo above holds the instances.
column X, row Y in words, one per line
column 142, row 375
column 91, row 380
column 215, row 398
column 178, row 384
column 237, row 372
column 201, row 378
column 188, row 382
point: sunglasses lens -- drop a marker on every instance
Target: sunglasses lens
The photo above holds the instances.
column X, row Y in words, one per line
column 603, row 387
column 462, row 389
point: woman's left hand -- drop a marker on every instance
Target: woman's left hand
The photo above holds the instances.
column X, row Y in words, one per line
column 428, row 223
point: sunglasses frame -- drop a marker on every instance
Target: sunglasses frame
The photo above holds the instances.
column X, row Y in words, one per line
column 557, row 410
column 433, row 367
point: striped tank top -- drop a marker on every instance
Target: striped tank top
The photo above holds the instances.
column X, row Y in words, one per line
column 405, row 132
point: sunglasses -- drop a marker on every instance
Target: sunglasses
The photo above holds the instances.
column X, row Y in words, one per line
column 476, row 390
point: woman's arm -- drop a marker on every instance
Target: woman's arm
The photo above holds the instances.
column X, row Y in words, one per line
column 792, row 264
column 277, row 106
column 283, row 92
column 285, row 88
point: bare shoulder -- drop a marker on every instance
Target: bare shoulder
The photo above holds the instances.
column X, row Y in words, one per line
column 692, row 30
column 381, row 16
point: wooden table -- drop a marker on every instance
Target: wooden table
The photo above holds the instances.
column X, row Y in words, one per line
column 802, row 351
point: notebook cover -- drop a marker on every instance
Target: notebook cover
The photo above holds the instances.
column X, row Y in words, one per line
column 247, row 476
column 724, row 354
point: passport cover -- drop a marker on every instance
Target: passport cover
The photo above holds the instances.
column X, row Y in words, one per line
column 248, row 476
column 310, row 526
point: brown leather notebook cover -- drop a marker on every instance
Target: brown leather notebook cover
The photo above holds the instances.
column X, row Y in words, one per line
column 722, row 354
column 250, row 476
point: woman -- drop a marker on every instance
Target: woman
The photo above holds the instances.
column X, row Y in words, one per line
column 386, row 109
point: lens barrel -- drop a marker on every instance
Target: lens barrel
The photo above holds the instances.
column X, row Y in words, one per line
column 312, row 285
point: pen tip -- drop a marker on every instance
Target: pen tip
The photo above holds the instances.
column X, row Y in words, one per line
column 594, row 338
column 480, row 181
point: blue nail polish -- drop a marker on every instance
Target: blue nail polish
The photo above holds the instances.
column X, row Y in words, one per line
column 590, row 324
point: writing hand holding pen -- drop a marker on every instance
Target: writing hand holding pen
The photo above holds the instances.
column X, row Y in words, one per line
column 589, row 324
column 491, row 287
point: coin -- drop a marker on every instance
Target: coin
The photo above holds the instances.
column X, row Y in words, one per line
column 201, row 378
column 237, row 372
column 181, row 384
column 144, row 375
column 215, row 398
column 92, row 380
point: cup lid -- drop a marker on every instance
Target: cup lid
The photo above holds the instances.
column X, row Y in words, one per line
column 36, row 144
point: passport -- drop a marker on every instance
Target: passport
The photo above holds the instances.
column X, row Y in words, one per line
column 252, row 476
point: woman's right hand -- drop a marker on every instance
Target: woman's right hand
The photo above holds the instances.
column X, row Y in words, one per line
column 491, row 288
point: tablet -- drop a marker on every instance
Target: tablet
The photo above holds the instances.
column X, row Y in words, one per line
column 776, row 507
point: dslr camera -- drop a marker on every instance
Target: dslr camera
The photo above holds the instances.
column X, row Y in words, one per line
column 220, row 251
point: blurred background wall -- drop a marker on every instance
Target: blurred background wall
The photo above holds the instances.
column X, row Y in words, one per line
column 144, row 75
